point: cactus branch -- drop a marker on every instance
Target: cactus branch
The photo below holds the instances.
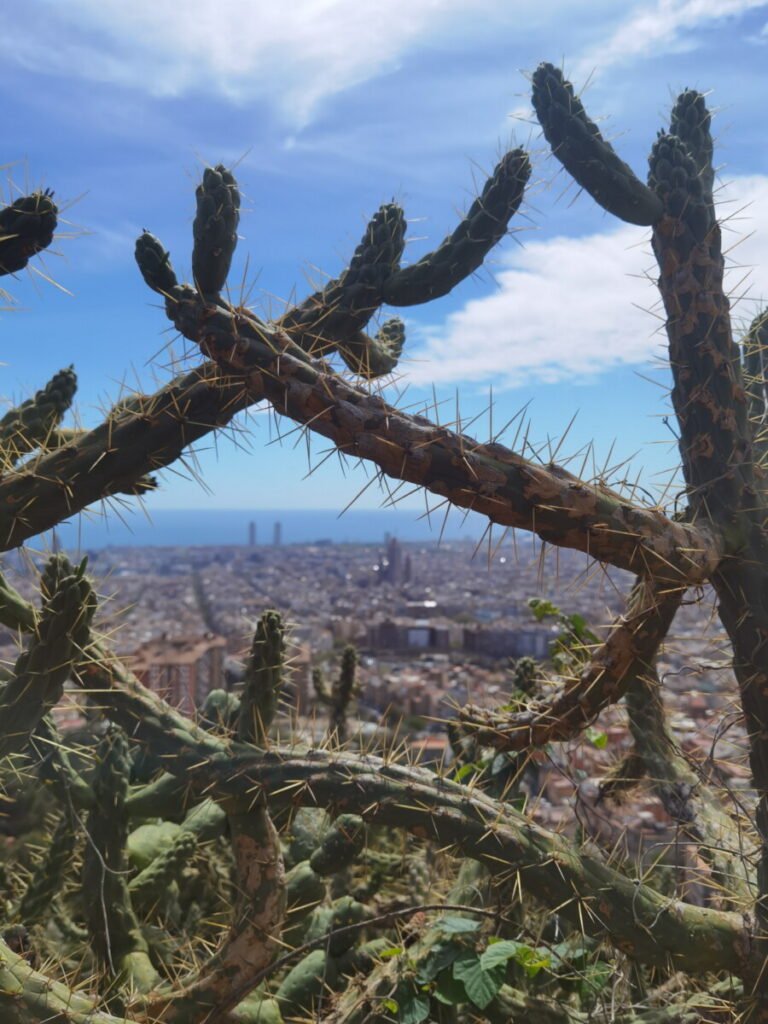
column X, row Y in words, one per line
column 61, row 632
column 263, row 680
column 590, row 160
column 487, row 478
column 641, row 922
column 32, row 424
column 628, row 651
column 139, row 436
column 463, row 252
column 114, row 931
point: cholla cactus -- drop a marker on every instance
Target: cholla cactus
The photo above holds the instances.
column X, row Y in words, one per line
column 568, row 913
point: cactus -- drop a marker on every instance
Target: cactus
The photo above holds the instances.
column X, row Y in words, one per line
column 215, row 229
column 590, row 160
column 113, row 927
column 230, row 780
column 340, row 845
column 338, row 698
column 263, row 680
column 32, row 424
column 61, row 632
column 26, row 227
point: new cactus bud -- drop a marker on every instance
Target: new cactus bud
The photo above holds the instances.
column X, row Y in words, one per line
column 155, row 264
column 215, row 229
column 26, row 227
column 377, row 356
column 591, row 160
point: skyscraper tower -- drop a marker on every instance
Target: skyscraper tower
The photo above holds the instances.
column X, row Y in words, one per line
column 277, row 534
column 252, row 534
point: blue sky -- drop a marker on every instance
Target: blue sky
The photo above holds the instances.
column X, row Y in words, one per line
column 329, row 108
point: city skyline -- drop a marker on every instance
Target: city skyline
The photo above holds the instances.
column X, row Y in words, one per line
column 327, row 115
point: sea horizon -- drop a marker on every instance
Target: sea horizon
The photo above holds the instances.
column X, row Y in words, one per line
column 211, row 527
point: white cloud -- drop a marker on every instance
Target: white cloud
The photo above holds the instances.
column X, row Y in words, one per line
column 569, row 308
column 661, row 27
column 295, row 54
column 299, row 53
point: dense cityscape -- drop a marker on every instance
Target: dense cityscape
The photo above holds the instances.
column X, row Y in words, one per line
column 435, row 625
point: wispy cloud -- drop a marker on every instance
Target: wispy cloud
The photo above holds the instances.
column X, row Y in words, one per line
column 293, row 54
column 571, row 308
column 298, row 54
column 662, row 27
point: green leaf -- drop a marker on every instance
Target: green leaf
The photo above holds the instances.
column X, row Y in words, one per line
column 390, row 951
column 464, row 771
column 451, row 925
column 542, row 608
column 414, row 1009
column 437, row 959
column 596, row 738
column 498, row 953
column 391, row 1005
column 481, row 986
column 449, row 990
column 532, row 960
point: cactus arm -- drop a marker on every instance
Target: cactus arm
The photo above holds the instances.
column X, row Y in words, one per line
column 590, row 160
column 708, row 395
column 691, row 122
column 42, row 669
column 629, row 649
column 329, row 318
column 723, row 844
column 15, row 611
column 753, row 351
column 374, row 357
column 215, row 229
column 45, row 883
column 487, row 478
column 31, row 424
column 723, row 482
column 116, row 938
column 640, row 921
column 28, row 996
column 149, row 433
column 463, row 252
column 260, row 876
column 26, row 227
column 344, row 691
column 55, row 766
column 263, row 680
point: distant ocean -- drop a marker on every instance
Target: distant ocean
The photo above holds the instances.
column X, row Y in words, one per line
column 188, row 527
